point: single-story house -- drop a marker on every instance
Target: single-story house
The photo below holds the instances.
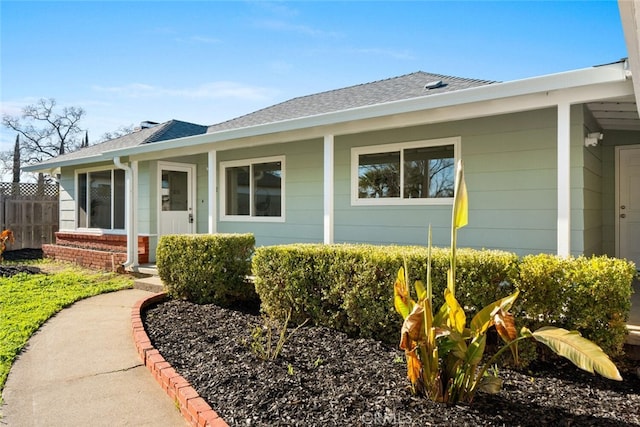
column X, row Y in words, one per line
column 552, row 164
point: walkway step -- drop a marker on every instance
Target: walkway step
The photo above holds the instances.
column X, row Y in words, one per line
column 151, row 284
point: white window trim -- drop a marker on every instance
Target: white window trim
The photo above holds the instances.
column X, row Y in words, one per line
column 400, row 146
column 251, row 218
column 95, row 230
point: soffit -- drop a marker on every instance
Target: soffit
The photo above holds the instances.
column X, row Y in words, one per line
column 616, row 114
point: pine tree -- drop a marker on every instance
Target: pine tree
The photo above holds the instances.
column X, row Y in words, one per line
column 16, row 160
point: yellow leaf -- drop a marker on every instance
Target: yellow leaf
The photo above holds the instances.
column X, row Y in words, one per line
column 582, row 352
column 461, row 200
column 457, row 317
column 402, row 302
column 414, row 367
column 420, row 290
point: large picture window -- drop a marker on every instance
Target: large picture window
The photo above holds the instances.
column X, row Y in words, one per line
column 420, row 172
column 253, row 189
column 101, row 199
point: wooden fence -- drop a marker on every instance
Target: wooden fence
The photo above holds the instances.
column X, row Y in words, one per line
column 31, row 212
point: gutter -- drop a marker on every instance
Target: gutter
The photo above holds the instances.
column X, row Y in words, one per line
column 129, row 217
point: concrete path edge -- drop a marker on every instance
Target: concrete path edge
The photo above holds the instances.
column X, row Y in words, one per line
column 193, row 408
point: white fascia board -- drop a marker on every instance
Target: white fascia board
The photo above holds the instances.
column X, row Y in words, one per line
column 46, row 167
column 630, row 17
column 554, row 82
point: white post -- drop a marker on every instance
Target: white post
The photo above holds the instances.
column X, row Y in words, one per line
column 564, row 180
column 134, row 212
column 328, row 189
column 212, row 171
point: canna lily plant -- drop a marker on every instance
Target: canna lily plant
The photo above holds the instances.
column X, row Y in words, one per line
column 444, row 355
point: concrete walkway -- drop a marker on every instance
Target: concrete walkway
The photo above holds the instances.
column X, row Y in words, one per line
column 81, row 368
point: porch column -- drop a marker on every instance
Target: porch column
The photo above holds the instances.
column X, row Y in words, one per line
column 134, row 212
column 564, row 180
column 328, row 189
column 212, row 171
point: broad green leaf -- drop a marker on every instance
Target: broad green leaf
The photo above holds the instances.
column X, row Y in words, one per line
column 579, row 350
column 490, row 384
column 456, row 343
column 484, row 318
column 476, row 350
column 457, row 317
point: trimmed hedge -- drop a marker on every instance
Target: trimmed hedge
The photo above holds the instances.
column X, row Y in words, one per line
column 591, row 295
column 350, row 287
column 207, row 268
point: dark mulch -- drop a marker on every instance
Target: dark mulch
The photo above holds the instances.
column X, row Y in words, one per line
column 20, row 255
column 323, row 378
column 23, row 254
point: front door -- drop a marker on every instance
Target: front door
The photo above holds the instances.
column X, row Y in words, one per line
column 176, row 213
column 628, row 209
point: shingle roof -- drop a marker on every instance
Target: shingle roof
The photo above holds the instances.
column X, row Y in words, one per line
column 394, row 89
column 162, row 132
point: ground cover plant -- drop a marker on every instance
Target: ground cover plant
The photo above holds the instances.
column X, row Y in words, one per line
column 29, row 297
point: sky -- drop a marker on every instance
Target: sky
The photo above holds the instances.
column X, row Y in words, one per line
column 205, row 62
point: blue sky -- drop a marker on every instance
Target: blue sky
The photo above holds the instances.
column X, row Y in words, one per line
column 209, row 61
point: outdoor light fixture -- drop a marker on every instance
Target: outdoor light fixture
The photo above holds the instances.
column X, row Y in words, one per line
column 592, row 139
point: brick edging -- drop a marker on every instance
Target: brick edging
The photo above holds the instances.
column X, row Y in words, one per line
column 193, row 408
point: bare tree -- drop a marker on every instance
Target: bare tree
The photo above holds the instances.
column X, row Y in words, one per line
column 121, row 131
column 46, row 131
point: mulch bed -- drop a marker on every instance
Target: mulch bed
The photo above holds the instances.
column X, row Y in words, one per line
column 20, row 255
column 324, row 378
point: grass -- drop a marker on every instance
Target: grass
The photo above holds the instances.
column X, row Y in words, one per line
column 28, row 300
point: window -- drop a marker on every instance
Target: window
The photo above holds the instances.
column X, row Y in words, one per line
column 253, row 189
column 420, row 172
column 101, row 199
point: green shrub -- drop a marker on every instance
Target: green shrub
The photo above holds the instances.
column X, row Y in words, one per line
column 591, row 295
column 207, row 268
column 350, row 287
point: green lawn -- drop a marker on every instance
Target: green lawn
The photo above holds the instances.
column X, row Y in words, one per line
column 27, row 301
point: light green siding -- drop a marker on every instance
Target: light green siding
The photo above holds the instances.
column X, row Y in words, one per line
column 511, row 176
column 67, row 207
column 303, row 194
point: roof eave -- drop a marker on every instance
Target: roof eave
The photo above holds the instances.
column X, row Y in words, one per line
column 630, row 17
column 45, row 167
column 569, row 79
column 565, row 80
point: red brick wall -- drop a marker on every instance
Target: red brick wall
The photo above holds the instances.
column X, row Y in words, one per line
column 104, row 251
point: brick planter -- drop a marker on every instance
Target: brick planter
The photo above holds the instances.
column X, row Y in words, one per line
column 99, row 251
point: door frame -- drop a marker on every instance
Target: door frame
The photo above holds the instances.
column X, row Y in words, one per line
column 190, row 168
column 618, row 153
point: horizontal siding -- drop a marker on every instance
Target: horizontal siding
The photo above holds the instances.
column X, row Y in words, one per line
column 510, row 168
column 67, row 206
column 304, row 216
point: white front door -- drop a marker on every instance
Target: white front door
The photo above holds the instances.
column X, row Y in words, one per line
column 628, row 209
column 176, row 187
